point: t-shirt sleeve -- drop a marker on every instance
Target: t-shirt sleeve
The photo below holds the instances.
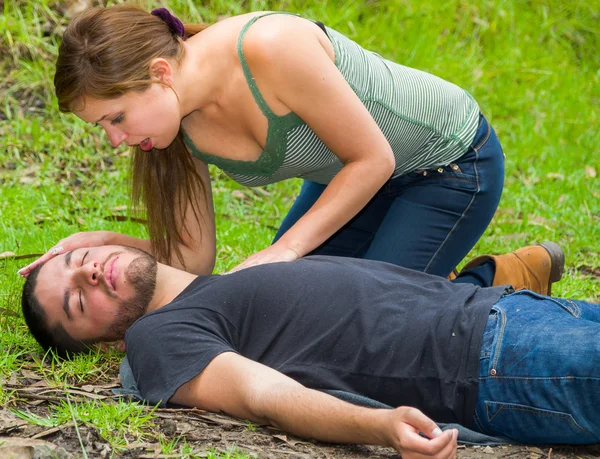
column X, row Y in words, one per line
column 165, row 350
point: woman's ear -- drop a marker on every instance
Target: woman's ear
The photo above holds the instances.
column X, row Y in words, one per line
column 161, row 70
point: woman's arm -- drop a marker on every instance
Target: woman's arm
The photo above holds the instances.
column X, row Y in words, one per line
column 292, row 66
column 199, row 248
column 198, row 251
column 247, row 389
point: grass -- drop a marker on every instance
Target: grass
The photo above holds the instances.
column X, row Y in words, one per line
column 117, row 423
column 532, row 66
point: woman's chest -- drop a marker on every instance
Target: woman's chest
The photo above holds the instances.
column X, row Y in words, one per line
column 232, row 128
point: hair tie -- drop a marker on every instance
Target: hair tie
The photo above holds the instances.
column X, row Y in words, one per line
column 174, row 24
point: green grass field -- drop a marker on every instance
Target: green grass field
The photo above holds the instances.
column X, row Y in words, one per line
column 533, row 66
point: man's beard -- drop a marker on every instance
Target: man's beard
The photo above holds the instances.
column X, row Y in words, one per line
column 141, row 275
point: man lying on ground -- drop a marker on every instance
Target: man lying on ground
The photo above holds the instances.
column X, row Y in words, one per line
column 257, row 343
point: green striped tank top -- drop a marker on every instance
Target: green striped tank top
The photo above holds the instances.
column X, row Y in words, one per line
column 427, row 121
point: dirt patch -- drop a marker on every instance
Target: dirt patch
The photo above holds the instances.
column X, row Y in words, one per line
column 189, row 431
column 202, row 431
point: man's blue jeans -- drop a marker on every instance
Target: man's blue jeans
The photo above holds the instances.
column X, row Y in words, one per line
column 425, row 220
column 539, row 371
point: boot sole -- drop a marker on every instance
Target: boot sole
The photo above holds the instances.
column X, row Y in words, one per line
column 557, row 261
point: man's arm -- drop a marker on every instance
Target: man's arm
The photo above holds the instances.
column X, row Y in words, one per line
column 246, row 389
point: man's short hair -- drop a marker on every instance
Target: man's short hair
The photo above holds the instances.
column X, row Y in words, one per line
column 55, row 338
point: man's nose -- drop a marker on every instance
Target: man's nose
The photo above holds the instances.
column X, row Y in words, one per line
column 90, row 272
column 116, row 136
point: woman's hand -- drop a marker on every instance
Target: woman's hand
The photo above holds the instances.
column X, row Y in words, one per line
column 271, row 254
column 75, row 241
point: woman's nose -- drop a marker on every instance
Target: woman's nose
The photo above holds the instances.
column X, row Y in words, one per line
column 116, row 136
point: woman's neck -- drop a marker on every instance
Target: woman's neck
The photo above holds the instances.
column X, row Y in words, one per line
column 199, row 77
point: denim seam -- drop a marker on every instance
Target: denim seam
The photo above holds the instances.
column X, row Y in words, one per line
column 537, row 411
column 454, row 228
column 386, row 190
column 541, row 378
column 498, row 349
column 479, row 424
column 485, row 139
column 575, row 311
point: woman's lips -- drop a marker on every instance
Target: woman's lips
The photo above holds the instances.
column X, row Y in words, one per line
column 146, row 144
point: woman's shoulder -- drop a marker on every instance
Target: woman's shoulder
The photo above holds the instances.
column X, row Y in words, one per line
column 268, row 28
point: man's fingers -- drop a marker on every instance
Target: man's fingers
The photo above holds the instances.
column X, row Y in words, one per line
column 439, row 447
column 439, row 444
column 416, row 418
column 449, row 451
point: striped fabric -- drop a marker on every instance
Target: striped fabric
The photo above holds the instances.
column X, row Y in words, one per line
column 427, row 121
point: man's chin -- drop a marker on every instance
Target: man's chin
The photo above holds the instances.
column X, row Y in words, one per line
column 141, row 275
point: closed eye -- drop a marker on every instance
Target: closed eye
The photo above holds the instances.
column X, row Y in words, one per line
column 83, row 258
column 118, row 119
column 82, row 261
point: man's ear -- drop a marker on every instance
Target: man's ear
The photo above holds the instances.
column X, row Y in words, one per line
column 161, row 70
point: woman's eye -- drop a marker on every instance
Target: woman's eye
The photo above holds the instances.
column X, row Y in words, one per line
column 117, row 119
column 83, row 258
column 80, row 302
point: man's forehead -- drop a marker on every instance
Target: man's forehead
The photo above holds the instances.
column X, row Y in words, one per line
column 50, row 284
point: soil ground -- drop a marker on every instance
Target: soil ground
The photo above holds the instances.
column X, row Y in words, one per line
column 203, row 432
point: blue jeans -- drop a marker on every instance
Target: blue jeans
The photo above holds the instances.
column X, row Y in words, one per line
column 424, row 220
column 539, row 371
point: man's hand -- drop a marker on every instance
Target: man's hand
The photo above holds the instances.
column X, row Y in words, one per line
column 75, row 241
column 271, row 254
column 404, row 426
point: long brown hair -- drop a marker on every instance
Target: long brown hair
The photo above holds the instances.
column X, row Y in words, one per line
column 105, row 53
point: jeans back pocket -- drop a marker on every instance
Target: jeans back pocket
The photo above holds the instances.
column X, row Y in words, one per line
column 529, row 424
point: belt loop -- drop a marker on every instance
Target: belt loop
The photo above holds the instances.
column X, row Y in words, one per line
column 508, row 290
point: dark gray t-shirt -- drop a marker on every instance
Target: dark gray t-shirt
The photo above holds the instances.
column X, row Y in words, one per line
column 371, row 328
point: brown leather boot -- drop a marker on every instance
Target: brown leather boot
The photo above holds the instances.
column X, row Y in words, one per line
column 535, row 267
column 453, row 275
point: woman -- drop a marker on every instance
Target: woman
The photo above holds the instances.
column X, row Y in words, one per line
column 399, row 165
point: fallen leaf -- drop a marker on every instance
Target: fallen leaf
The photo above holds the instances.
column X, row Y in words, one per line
column 7, row 255
column 590, row 171
column 25, row 448
column 10, row 421
column 30, row 374
column 20, row 257
column 555, row 175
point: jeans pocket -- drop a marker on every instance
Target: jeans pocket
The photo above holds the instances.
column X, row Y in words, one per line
column 489, row 333
column 493, row 337
column 529, row 424
column 568, row 305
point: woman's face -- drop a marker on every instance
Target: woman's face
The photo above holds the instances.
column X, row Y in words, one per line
column 150, row 118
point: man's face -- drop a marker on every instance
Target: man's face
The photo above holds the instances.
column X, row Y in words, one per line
column 96, row 293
